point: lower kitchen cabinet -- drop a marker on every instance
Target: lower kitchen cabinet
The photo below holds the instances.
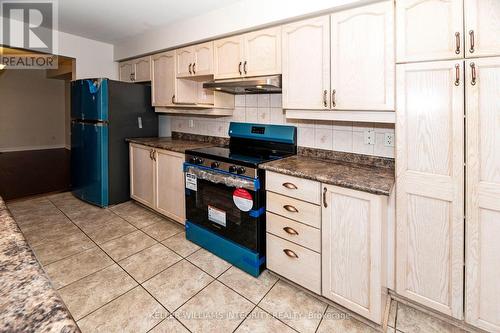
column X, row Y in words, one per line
column 142, row 173
column 157, row 180
column 338, row 252
column 169, row 184
column 352, row 229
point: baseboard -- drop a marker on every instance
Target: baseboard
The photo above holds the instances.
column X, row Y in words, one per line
column 27, row 148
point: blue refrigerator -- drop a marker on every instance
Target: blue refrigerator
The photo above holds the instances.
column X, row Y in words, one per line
column 104, row 113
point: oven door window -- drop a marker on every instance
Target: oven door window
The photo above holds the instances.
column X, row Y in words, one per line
column 212, row 207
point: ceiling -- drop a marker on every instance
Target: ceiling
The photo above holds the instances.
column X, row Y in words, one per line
column 114, row 20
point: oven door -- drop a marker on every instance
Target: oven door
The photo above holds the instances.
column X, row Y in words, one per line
column 228, row 205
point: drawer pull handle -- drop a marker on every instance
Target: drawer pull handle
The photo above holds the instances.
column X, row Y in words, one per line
column 290, row 186
column 290, row 253
column 472, row 42
column 291, row 231
column 291, row 209
column 324, row 197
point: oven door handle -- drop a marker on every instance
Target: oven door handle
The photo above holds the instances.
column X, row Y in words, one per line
column 217, row 177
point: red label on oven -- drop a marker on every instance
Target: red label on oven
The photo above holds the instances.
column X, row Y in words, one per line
column 242, row 199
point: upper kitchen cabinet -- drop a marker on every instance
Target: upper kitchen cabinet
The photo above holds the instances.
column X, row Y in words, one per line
column 262, row 52
column 362, row 58
column 440, row 37
column 306, row 64
column 482, row 28
column 253, row 54
column 195, row 62
column 136, row 70
column 228, row 54
column 430, row 184
column 126, row 71
column 163, row 79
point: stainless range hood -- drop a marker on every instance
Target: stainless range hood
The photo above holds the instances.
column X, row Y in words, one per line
column 248, row 85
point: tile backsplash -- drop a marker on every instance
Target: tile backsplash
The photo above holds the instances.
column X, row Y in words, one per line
column 266, row 109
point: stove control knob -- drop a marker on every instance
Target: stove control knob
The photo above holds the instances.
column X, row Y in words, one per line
column 240, row 170
column 195, row 160
column 232, row 168
column 215, row 165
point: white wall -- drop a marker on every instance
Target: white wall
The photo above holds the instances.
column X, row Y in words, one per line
column 32, row 111
column 93, row 58
column 241, row 16
column 266, row 109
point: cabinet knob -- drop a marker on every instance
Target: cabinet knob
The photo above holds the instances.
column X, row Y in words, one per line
column 290, row 186
column 291, row 208
column 291, row 231
column 290, row 253
column 472, row 41
column 474, row 75
column 457, row 42
column 324, row 197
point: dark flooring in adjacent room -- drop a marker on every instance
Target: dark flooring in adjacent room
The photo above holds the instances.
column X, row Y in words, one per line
column 26, row 173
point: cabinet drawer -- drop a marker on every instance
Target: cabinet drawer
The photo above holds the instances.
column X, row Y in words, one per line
column 294, row 209
column 295, row 232
column 294, row 187
column 304, row 269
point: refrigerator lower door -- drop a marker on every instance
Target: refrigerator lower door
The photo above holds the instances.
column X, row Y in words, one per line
column 89, row 99
column 89, row 162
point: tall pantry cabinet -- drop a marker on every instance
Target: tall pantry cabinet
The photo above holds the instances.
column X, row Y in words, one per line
column 448, row 69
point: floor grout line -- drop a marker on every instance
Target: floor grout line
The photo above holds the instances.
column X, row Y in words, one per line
column 321, row 320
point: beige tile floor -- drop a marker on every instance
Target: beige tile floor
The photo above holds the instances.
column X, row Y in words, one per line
column 127, row 269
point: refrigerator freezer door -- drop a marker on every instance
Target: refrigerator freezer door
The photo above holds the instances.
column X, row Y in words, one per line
column 89, row 99
column 89, row 162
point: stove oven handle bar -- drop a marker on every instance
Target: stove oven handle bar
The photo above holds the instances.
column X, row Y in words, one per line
column 256, row 181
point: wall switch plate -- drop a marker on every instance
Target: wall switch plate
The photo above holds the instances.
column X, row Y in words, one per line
column 191, row 123
column 370, row 137
column 389, row 139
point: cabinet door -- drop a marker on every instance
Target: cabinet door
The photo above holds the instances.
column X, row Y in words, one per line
column 143, row 69
column 184, row 60
column 127, row 71
column 163, row 79
column 170, row 199
column 142, row 175
column 429, row 30
column 482, row 28
column 363, row 68
column 352, row 265
column 483, row 195
column 203, row 59
column 430, row 184
column 262, row 52
column 306, row 64
column 228, row 55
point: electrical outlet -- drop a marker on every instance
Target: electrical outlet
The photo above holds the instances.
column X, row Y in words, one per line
column 370, row 137
column 389, row 139
column 191, row 123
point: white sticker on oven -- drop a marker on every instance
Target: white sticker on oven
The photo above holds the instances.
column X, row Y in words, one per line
column 242, row 199
column 191, row 182
column 217, row 215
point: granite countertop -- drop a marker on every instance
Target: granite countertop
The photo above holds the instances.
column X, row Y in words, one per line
column 28, row 302
column 372, row 179
column 172, row 144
